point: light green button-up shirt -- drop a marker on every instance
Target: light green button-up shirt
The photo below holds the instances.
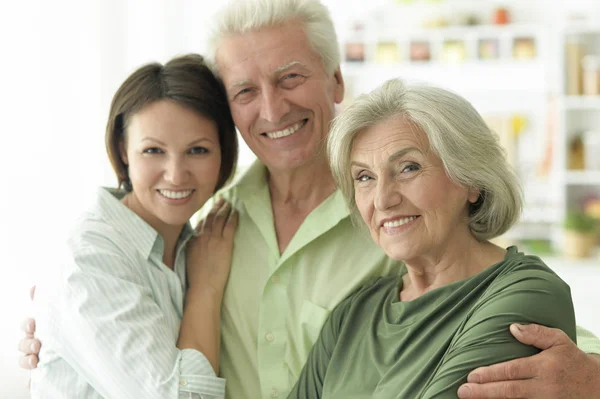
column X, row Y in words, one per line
column 275, row 304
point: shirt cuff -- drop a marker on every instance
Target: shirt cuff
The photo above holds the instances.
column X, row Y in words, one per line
column 587, row 342
column 197, row 375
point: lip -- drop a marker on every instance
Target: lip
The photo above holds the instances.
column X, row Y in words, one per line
column 397, row 229
column 304, row 122
column 175, row 201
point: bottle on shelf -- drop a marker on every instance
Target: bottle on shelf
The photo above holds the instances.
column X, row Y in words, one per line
column 574, row 53
column 591, row 74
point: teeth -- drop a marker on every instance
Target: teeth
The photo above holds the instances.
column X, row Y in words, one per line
column 399, row 222
column 175, row 194
column 286, row 132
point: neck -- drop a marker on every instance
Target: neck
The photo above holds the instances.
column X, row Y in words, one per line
column 169, row 233
column 170, row 236
column 306, row 186
column 448, row 264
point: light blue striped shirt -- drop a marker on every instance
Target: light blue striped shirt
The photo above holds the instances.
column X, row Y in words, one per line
column 109, row 320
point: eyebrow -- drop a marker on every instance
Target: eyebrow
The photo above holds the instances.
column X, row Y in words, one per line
column 276, row 71
column 397, row 155
column 189, row 145
column 288, row 66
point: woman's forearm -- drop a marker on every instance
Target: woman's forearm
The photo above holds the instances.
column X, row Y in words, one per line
column 201, row 325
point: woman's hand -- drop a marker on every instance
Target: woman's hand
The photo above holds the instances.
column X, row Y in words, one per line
column 209, row 253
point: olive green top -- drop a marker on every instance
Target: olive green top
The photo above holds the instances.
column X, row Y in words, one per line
column 376, row 346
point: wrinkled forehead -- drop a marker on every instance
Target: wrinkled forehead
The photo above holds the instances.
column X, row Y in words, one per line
column 265, row 52
column 389, row 134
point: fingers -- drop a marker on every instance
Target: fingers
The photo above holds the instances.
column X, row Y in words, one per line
column 205, row 226
column 498, row 390
column 539, row 336
column 29, row 346
column 28, row 362
column 32, row 292
column 28, row 327
column 220, row 220
column 517, row 369
column 231, row 224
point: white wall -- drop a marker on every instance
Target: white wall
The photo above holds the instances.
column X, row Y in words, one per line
column 61, row 61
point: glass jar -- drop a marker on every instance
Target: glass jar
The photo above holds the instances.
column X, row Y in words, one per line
column 591, row 75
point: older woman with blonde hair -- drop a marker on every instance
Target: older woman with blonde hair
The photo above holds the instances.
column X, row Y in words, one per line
column 430, row 181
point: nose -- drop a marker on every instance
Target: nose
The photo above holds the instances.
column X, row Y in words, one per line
column 387, row 194
column 274, row 105
column 176, row 171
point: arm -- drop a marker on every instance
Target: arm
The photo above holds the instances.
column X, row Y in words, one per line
column 531, row 296
column 561, row 370
column 208, row 265
column 108, row 321
column 110, row 330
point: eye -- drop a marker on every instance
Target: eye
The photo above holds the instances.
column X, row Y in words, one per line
column 153, row 150
column 292, row 80
column 363, row 178
column 198, row 150
column 412, row 167
column 243, row 92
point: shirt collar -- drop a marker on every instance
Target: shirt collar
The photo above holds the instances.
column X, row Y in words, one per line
column 139, row 233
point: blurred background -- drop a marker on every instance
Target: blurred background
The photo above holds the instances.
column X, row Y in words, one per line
column 531, row 67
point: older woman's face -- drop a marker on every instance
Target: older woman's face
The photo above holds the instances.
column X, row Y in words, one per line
column 403, row 194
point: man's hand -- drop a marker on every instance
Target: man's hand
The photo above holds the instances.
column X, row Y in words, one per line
column 560, row 371
column 29, row 345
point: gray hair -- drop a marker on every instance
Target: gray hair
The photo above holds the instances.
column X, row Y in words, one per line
column 242, row 16
column 469, row 150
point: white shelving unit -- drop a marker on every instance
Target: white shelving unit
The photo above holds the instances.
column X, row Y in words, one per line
column 576, row 114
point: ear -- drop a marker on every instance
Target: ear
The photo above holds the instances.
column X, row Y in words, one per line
column 123, row 152
column 338, row 94
column 473, row 195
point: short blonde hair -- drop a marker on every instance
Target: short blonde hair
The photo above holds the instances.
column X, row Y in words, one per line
column 469, row 150
column 242, row 16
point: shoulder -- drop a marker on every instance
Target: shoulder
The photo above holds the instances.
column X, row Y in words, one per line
column 96, row 246
column 521, row 270
column 527, row 291
column 91, row 231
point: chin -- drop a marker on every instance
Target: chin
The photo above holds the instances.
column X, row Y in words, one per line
column 398, row 253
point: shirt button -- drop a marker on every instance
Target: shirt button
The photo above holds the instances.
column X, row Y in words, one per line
column 270, row 337
column 183, row 383
column 275, row 394
column 275, row 279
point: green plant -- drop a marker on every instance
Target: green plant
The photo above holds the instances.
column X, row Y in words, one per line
column 580, row 222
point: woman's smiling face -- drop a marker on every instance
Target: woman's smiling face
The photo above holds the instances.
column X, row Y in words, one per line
column 173, row 158
column 403, row 193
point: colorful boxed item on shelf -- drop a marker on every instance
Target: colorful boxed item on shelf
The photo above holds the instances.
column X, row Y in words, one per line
column 524, row 48
column 454, row 51
column 387, row 52
column 355, row 52
column 489, row 49
column 420, row 51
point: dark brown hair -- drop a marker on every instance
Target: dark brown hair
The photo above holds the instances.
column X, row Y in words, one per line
column 186, row 80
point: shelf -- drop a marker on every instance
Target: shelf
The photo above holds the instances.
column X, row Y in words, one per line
column 584, row 178
column 582, row 102
column 480, row 30
column 582, row 29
